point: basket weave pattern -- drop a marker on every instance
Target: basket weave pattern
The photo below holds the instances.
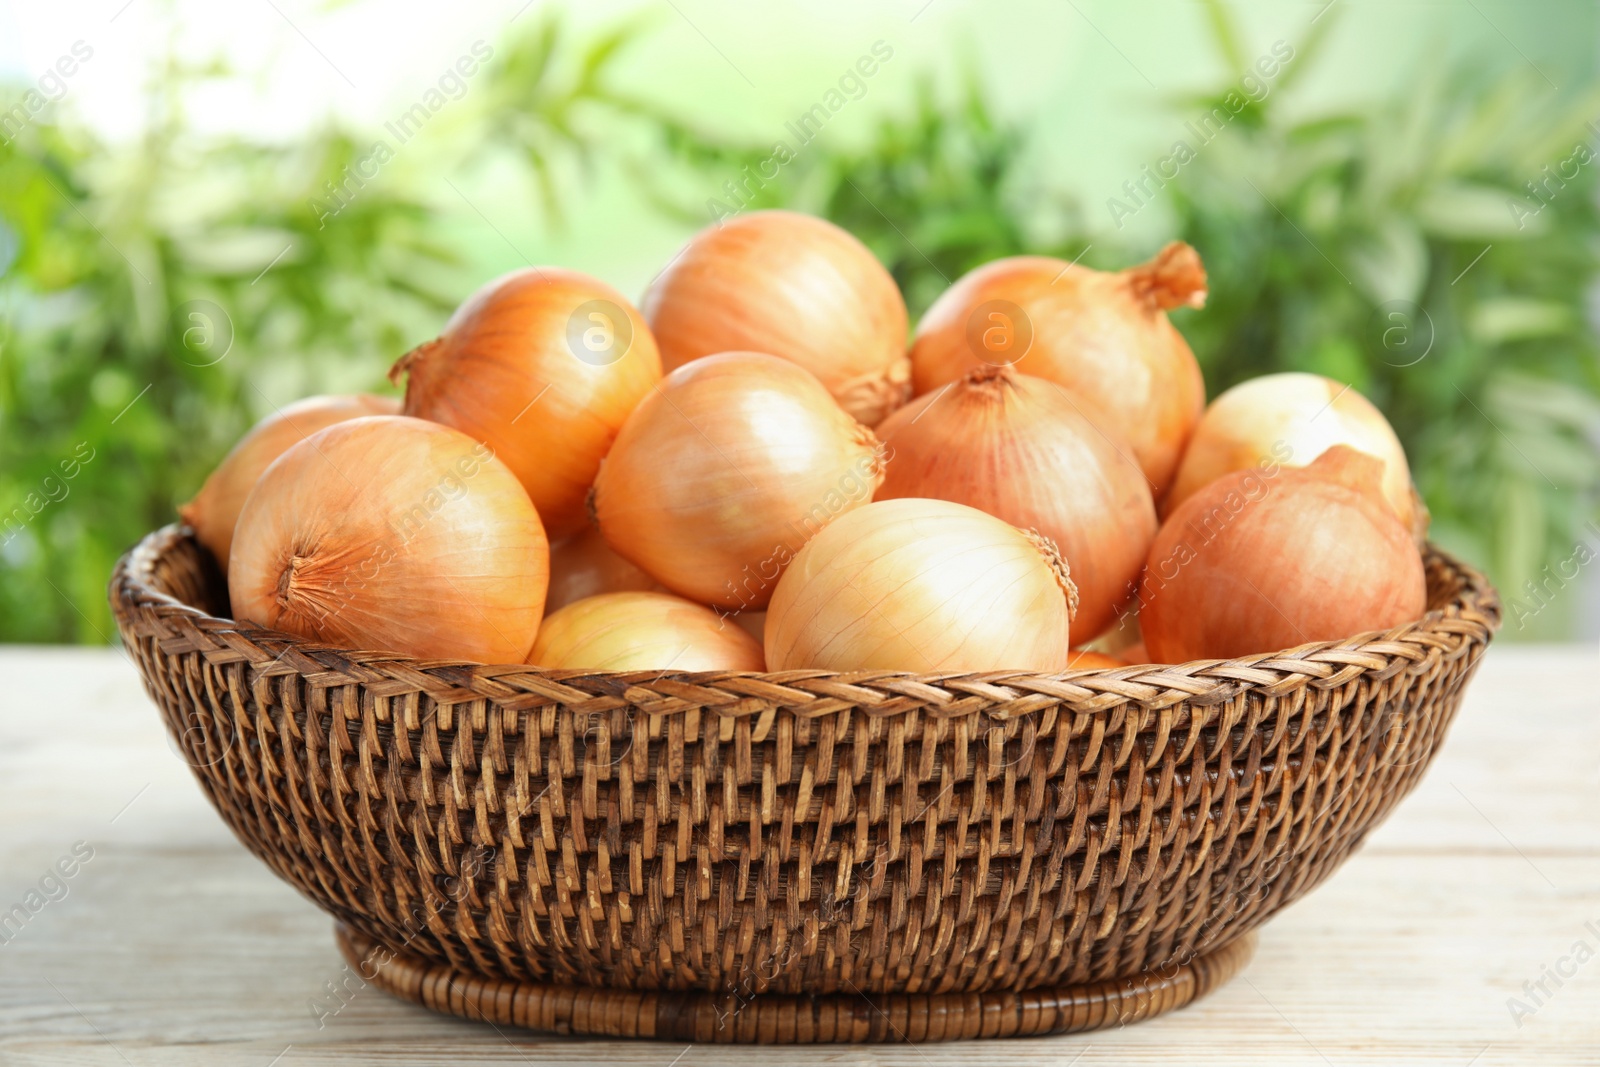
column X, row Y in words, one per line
column 803, row 831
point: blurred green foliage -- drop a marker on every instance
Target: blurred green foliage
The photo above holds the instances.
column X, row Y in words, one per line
column 1399, row 250
column 157, row 297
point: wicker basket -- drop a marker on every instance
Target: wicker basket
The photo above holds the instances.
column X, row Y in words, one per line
column 796, row 856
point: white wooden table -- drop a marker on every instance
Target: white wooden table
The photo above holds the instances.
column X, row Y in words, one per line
column 170, row 944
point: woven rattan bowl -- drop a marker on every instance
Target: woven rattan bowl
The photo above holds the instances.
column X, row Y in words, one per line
column 795, row 856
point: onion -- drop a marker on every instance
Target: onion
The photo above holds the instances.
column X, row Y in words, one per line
column 794, row 286
column 1292, row 418
column 922, row 585
column 1104, row 336
column 642, row 631
column 1017, row 447
column 724, row 472
column 1085, row 660
column 391, row 533
column 215, row 509
column 1135, row 653
column 1252, row 563
column 584, row 565
column 542, row 365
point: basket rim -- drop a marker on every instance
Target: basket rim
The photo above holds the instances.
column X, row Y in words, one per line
column 1473, row 615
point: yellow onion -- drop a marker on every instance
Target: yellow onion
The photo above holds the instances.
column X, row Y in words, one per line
column 1105, row 336
column 1252, row 563
column 794, row 286
column 642, row 632
column 1017, row 447
column 1292, row 418
column 215, row 509
column 393, row 534
column 584, row 565
column 922, row 585
column 725, row 471
column 542, row 365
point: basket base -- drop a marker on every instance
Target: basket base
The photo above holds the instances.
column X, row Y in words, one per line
column 771, row 1018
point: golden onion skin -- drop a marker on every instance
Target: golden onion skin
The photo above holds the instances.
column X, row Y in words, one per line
column 1104, row 336
column 637, row 631
column 583, row 565
column 1291, row 418
column 1259, row 563
column 798, row 287
column 394, row 534
column 722, row 474
column 922, row 585
column 513, row 370
column 1017, row 447
column 214, row 511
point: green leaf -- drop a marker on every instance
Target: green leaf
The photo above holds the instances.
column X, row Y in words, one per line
column 1463, row 210
column 1504, row 319
column 1225, row 35
column 1392, row 264
column 1309, row 47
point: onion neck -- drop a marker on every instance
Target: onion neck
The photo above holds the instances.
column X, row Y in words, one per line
column 987, row 391
column 1058, row 566
column 990, row 379
column 410, row 362
column 1174, row 278
column 878, row 454
column 285, row 591
column 870, row 398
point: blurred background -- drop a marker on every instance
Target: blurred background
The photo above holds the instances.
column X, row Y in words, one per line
column 210, row 210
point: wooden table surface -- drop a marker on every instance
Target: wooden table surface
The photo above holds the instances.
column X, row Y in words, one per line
column 170, row 944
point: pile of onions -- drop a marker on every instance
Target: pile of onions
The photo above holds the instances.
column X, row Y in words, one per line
column 584, row 565
column 1293, row 418
column 739, row 514
column 721, row 475
column 643, row 631
column 793, row 286
column 214, row 511
column 394, row 534
column 1104, row 336
column 1018, row 448
column 1252, row 564
column 922, row 585
column 542, row 365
